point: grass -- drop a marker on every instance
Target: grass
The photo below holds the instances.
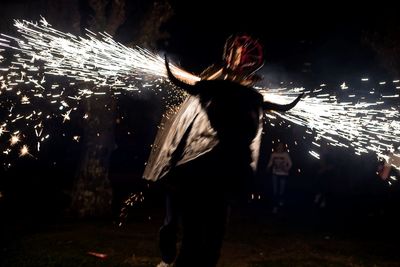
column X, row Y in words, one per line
column 251, row 241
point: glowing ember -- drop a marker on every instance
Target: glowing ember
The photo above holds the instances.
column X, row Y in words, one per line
column 24, row 151
column 14, row 139
column 2, row 130
column 97, row 254
column 133, row 199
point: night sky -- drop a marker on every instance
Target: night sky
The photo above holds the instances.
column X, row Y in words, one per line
column 313, row 41
column 319, row 41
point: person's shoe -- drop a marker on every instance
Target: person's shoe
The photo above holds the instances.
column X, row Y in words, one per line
column 163, row 264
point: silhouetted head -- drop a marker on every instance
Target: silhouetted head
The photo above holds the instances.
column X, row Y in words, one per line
column 243, row 55
column 200, row 88
column 280, row 147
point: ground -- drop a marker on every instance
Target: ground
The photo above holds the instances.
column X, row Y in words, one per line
column 255, row 238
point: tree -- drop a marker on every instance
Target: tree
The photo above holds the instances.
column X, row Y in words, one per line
column 92, row 192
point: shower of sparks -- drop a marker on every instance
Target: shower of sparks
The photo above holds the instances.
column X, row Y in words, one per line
column 60, row 69
column 50, row 72
column 133, row 199
column 350, row 121
column 96, row 58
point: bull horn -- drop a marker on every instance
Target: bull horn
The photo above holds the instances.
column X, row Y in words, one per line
column 187, row 87
column 278, row 107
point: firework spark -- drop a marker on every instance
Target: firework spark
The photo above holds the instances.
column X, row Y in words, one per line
column 14, row 139
column 351, row 122
column 95, row 58
column 2, row 130
column 133, row 199
column 24, row 151
column 97, row 65
column 57, row 70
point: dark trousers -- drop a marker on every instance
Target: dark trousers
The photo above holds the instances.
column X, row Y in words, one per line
column 169, row 230
column 200, row 192
column 203, row 218
column 278, row 187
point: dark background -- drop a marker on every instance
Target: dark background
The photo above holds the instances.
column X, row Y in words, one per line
column 328, row 39
column 325, row 40
column 308, row 43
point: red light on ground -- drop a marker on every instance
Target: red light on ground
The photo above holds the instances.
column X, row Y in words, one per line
column 97, row 255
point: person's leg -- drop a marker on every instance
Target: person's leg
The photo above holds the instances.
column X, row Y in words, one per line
column 168, row 231
column 282, row 187
column 191, row 250
column 203, row 221
column 275, row 193
column 275, row 189
column 215, row 223
column 274, row 185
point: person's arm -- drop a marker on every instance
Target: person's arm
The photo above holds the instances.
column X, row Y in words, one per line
column 289, row 162
column 271, row 160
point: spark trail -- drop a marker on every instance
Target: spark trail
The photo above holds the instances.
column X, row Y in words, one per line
column 50, row 72
column 97, row 65
column 354, row 121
